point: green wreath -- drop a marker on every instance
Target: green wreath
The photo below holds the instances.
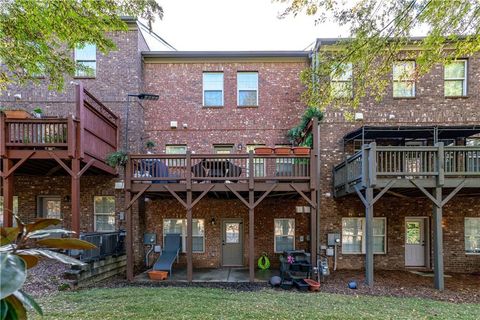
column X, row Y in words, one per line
column 263, row 262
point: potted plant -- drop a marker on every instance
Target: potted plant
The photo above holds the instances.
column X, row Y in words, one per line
column 150, row 145
column 37, row 113
column 297, row 134
column 263, row 150
column 16, row 114
column 282, row 150
column 117, row 159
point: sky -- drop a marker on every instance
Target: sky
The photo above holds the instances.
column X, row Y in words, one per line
column 236, row 25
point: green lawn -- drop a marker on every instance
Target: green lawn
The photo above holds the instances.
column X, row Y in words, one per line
column 201, row 303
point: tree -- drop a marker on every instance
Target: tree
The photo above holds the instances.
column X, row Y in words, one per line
column 380, row 34
column 38, row 36
column 20, row 249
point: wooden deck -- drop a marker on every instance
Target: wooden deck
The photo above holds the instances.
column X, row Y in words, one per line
column 428, row 167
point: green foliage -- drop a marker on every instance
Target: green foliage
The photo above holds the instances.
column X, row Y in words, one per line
column 38, row 110
column 380, row 34
column 297, row 133
column 117, row 159
column 38, row 36
column 150, row 144
column 20, row 249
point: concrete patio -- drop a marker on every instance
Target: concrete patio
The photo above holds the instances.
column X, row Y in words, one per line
column 221, row 275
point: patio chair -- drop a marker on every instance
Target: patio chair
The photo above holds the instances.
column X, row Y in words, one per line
column 171, row 249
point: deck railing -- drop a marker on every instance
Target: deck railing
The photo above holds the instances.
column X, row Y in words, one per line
column 201, row 168
column 383, row 162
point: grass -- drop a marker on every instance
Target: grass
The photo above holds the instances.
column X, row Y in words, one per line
column 205, row 303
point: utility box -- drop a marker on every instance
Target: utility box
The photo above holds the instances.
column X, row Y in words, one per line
column 150, row 238
column 333, row 239
column 330, row 252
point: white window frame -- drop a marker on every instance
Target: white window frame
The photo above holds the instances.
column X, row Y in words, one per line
column 346, row 77
column 464, row 79
column 363, row 235
column 176, row 162
column 222, row 89
column 77, row 75
column 256, row 161
column 15, row 210
column 240, row 89
column 222, row 148
column 465, row 235
column 184, row 234
column 95, row 214
column 275, row 235
column 405, row 79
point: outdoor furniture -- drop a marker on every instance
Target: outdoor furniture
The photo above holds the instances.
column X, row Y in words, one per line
column 216, row 169
column 171, row 249
column 301, row 267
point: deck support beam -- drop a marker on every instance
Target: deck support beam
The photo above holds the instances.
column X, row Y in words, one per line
column 189, row 218
column 75, row 197
column 7, row 194
column 438, row 241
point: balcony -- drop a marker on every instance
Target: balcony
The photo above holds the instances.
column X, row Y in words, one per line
column 428, row 166
column 218, row 172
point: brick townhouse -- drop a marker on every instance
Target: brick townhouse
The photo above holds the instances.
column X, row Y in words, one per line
column 368, row 183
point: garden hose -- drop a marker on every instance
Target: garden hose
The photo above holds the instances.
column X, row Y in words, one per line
column 263, row 262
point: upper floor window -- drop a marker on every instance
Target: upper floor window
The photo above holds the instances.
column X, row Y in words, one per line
column 341, row 81
column 213, row 89
column 223, row 148
column 247, row 89
column 86, row 60
column 404, row 79
column 472, row 235
column 455, row 84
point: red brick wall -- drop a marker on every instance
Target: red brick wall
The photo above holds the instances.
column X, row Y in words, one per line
column 430, row 107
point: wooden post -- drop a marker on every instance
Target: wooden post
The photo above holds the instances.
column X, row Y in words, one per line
column 3, row 135
column 7, row 194
column 75, row 196
column 315, row 192
column 438, row 240
column 251, row 218
column 189, row 218
column 129, row 220
column 440, row 164
column 369, row 236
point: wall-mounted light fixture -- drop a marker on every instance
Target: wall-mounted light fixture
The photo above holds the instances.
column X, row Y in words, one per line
column 213, row 222
column 239, row 147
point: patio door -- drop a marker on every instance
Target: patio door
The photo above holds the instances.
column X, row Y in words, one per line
column 232, row 242
column 415, row 242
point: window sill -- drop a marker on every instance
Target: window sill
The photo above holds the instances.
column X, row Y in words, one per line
column 84, row 77
column 472, row 253
column 213, row 107
column 456, row 97
column 361, row 253
column 404, row 98
column 242, row 107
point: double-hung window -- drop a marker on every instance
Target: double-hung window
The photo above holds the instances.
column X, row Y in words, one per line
column 455, row 83
column 15, row 210
column 180, row 226
column 104, row 213
column 176, row 149
column 353, row 235
column 213, row 89
column 247, row 89
column 341, row 81
column 284, row 235
column 404, row 79
column 223, row 148
column 258, row 163
column 86, row 61
column 472, row 235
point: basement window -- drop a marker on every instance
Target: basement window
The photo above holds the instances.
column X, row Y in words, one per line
column 353, row 235
column 15, row 210
column 180, row 226
column 472, row 235
column 284, row 235
column 104, row 213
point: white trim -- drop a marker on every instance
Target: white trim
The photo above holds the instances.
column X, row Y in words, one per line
column 95, row 214
column 404, row 80
column 363, row 236
column 184, row 233
column 464, row 79
column 238, row 89
column 465, row 235
column 75, row 60
column 275, row 236
column 203, row 89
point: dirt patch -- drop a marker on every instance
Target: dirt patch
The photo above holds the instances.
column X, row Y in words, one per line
column 459, row 288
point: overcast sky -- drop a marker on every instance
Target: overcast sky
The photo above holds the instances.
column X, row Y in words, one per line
column 236, row 25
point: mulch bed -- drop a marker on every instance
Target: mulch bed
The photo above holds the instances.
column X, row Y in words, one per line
column 46, row 278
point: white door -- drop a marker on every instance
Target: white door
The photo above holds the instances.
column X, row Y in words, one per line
column 415, row 242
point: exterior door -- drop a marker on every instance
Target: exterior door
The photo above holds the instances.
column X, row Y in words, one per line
column 415, row 242
column 232, row 242
column 50, row 207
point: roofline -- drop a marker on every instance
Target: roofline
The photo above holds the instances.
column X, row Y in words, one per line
column 225, row 54
column 143, row 27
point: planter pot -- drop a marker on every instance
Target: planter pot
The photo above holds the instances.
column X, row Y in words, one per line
column 157, row 275
column 263, row 150
column 16, row 114
column 313, row 285
column 282, row 150
column 301, row 150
